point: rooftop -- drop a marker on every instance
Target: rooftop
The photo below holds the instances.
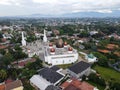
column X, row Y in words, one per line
column 103, row 51
column 74, row 84
column 51, row 87
column 34, row 46
column 2, row 87
column 59, row 51
column 91, row 55
column 50, row 75
column 55, row 68
column 13, row 85
column 112, row 46
column 79, row 67
column 24, row 62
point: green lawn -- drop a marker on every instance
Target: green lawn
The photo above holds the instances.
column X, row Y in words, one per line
column 108, row 73
column 64, row 66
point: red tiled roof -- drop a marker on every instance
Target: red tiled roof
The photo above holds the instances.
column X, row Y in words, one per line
column 117, row 53
column 8, row 81
column 13, row 85
column 2, row 87
column 3, row 40
column 24, row 62
column 3, row 47
column 86, row 86
column 75, row 84
column 103, row 51
column 112, row 46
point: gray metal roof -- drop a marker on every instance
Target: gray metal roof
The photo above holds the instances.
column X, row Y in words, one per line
column 50, row 75
column 79, row 67
column 55, row 68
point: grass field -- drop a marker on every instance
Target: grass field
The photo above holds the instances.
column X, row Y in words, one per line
column 108, row 73
column 64, row 66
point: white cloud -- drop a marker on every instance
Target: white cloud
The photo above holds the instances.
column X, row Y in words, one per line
column 101, row 6
column 104, row 11
column 45, row 1
column 11, row 2
column 5, row 2
column 60, row 6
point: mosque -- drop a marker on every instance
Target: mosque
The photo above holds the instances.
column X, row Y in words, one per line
column 54, row 54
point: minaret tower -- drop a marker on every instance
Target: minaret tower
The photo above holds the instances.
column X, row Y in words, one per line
column 23, row 40
column 45, row 37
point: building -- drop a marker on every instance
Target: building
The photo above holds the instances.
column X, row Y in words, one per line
column 46, row 77
column 74, row 84
column 104, row 51
column 52, row 87
column 93, row 32
column 23, row 40
column 34, row 48
column 16, row 85
column 61, row 53
column 90, row 58
column 45, row 37
column 7, row 36
column 2, row 86
column 23, row 63
column 79, row 69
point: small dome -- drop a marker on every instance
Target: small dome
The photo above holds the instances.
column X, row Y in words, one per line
column 65, row 43
column 52, row 50
column 50, row 44
column 70, row 49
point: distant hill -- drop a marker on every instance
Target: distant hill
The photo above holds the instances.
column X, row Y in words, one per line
column 93, row 14
column 81, row 14
column 115, row 13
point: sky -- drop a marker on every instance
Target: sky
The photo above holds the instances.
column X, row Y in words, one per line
column 56, row 7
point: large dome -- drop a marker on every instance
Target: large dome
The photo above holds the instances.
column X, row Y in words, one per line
column 59, row 43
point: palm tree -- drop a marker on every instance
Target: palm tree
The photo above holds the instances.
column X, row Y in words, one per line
column 3, row 74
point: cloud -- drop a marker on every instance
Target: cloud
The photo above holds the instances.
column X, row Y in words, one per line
column 63, row 6
column 9, row 2
column 105, row 11
column 55, row 7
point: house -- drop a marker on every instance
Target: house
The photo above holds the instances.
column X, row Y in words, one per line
column 90, row 58
column 22, row 63
column 104, row 51
column 56, row 32
column 79, row 69
column 112, row 46
column 52, row 87
column 16, row 85
column 2, row 86
column 81, row 46
column 46, row 77
column 74, row 84
column 93, row 32
column 3, row 46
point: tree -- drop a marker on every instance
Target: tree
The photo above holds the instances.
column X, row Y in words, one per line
column 114, row 86
column 2, row 51
column 102, row 59
column 1, row 36
column 7, row 58
column 94, row 78
column 3, row 74
column 12, row 72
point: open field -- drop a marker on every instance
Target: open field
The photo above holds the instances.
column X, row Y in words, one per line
column 108, row 73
